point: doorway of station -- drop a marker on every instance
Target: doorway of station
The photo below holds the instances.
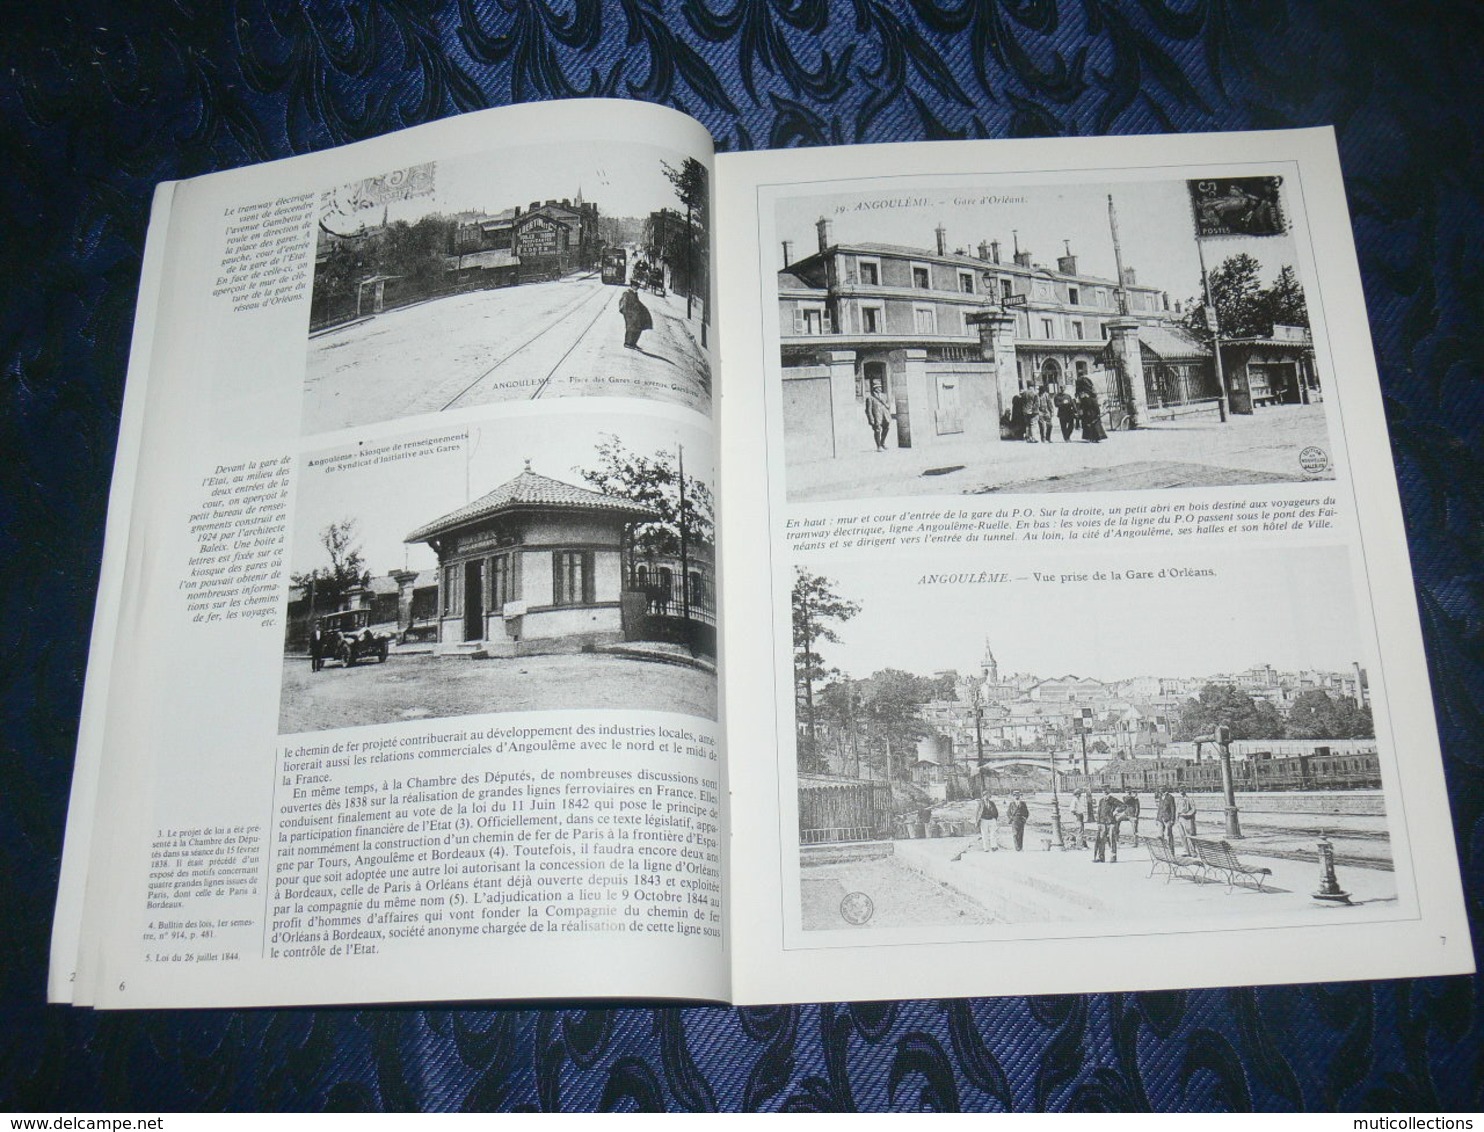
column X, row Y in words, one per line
column 474, row 600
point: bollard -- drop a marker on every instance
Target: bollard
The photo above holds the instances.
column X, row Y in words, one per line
column 1329, row 886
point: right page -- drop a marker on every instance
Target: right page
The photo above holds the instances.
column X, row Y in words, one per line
column 1072, row 615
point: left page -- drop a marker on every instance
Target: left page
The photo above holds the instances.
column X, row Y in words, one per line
column 404, row 685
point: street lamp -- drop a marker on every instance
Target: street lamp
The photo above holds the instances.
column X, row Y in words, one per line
column 1055, row 797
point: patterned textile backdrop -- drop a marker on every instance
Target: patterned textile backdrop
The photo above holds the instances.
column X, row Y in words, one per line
column 98, row 101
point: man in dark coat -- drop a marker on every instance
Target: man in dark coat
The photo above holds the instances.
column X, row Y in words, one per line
column 1164, row 812
column 316, row 648
column 1017, row 815
column 1110, row 813
column 636, row 317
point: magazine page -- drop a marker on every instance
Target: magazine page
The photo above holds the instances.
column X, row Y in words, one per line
column 1074, row 607
column 405, row 686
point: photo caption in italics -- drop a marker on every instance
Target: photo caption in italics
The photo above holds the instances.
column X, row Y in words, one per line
column 1050, row 523
column 240, row 532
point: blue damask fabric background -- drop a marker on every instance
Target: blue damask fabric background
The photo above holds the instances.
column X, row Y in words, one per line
column 98, row 101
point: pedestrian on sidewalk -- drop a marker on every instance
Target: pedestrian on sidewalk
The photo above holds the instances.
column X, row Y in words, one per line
column 986, row 813
column 1018, row 815
column 1090, row 410
column 878, row 414
column 1131, row 807
column 1109, row 813
column 1164, row 812
column 1044, row 411
column 1066, row 413
column 636, row 317
column 1187, row 814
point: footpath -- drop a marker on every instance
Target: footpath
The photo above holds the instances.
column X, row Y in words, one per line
column 1052, row 885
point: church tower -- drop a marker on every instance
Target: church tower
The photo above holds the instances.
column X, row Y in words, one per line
column 989, row 667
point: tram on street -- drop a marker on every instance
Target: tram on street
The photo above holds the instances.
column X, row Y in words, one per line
column 616, row 266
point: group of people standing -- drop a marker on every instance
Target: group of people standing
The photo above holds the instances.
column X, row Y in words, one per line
column 1106, row 815
column 987, row 816
column 1098, row 818
column 1032, row 411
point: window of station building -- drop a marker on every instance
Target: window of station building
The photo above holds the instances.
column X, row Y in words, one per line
column 966, row 282
column 809, row 320
column 870, row 320
column 453, row 589
column 572, row 577
column 1077, row 328
column 1007, row 288
column 925, row 320
column 870, row 271
column 1048, row 328
column 501, row 582
column 1074, row 296
column 922, row 277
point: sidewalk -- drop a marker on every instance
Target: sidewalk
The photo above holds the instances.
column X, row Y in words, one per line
column 1262, row 448
column 1056, row 886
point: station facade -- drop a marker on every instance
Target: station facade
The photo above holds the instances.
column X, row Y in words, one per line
column 536, row 565
column 949, row 338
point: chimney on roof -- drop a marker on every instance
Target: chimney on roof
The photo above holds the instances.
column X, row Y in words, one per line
column 566, row 202
column 1128, row 277
column 1022, row 259
column 994, row 250
column 535, row 204
column 942, row 234
column 1067, row 264
column 517, row 211
column 983, row 249
column 825, row 229
column 788, row 252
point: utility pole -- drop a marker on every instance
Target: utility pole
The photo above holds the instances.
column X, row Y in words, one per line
column 1214, row 320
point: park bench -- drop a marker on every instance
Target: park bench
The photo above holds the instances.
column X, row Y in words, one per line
column 1174, row 864
column 1218, row 857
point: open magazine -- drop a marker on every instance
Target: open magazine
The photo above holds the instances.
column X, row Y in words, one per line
column 549, row 559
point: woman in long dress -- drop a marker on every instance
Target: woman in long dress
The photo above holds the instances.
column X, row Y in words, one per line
column 1090, row 411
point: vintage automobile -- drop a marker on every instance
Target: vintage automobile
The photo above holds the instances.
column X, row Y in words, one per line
column 348, row 637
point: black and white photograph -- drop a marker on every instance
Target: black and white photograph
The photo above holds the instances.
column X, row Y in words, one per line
column 503, row 567
column 1045, row 338
column 579, row 271
column 1191, row 743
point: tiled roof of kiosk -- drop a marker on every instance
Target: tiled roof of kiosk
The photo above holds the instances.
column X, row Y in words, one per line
column 530, row 490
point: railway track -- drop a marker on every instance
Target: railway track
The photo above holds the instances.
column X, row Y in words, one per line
column 596, row 299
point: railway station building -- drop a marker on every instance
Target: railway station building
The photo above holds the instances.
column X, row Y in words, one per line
column 536, row 565
column 950, row 337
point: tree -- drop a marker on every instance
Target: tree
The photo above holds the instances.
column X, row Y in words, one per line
column 1285, row 301
column 329, row 587
column 691, row 188
column 1222, row 703
column 1244, row 308
column 1238, row 296
column 817, row 609
column 891, row 701
column 654, row 481
column 1316, row 714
